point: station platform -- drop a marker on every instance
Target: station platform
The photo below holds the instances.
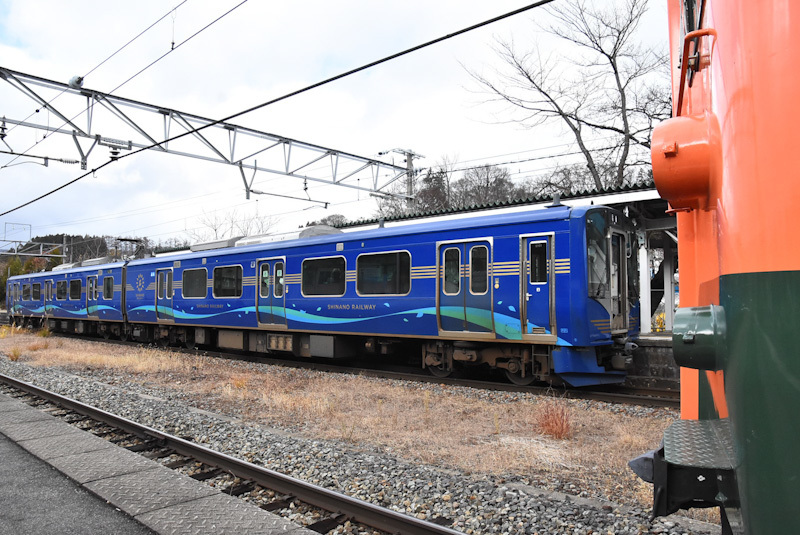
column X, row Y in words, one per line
column 55, row 478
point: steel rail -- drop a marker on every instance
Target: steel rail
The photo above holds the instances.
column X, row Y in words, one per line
column 332, row 501
column 610, row 394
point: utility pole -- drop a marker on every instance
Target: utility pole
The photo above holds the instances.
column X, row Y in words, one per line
column 409, row 156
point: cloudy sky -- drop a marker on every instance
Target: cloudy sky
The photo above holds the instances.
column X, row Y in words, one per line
column 426, row 102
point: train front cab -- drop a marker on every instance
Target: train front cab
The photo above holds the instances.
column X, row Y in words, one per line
column 565, row 287
column 599, row 311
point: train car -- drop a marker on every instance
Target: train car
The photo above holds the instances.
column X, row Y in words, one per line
column 547, row 294
column 81, row 298
column 725, row 162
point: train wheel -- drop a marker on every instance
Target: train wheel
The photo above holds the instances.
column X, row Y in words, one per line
column 123, row 334
column 514, row 374
column 440, row 371
column 518, row 379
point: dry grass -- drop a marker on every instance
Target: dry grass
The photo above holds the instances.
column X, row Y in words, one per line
column 553, row 419
column 14, row 354
column 538, row 438
column 7, row 331
column 37, row 346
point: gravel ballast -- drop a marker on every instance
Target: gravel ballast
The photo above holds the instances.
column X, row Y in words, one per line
column 468, row 503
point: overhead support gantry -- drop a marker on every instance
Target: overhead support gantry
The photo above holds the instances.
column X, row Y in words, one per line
column 137, row 125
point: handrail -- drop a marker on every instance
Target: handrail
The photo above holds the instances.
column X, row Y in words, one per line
column 685, row 61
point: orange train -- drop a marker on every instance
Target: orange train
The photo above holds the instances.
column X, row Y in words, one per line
column 725, row 161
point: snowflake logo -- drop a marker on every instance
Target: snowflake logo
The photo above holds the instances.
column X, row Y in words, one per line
column 140, row 282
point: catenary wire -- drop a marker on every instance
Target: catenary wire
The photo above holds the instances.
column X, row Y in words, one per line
column 174, row 48
column 292, row 94
column 120, row 49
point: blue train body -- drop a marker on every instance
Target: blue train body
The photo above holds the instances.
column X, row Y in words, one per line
column 544, row 294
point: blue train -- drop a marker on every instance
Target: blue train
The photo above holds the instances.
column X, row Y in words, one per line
column 548, row 295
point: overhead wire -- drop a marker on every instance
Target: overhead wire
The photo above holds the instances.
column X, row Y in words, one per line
column 531, row 173
column 170, row 51
column 120, row 49
column 292, row 94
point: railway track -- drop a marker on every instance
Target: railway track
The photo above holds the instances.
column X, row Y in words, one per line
column 648, row 397
column 644, row 396
column 155, row 444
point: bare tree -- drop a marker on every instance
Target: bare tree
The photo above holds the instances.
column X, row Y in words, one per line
column 249, row 225
column 484, row 184
column 605, row 85
column 218, row 226
column 433, row 190
column 333, row 220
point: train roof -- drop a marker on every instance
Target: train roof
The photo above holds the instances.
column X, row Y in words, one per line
column 553, row 213
column 550, row 213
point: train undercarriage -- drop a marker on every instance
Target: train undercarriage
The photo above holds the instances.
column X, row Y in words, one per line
column 522, row 364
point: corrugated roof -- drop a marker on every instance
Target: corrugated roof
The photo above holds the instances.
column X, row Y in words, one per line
column 645, row 185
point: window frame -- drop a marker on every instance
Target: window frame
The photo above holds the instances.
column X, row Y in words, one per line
column 26, row 291
column 486, row 271
column 531, row 243
column 92, row 293
column 106, row 295
column 261, row 265
column 214, row 282
column 205, row 283
column 36, row 291
column 80, row 289
column 65, row 285
column 282, row 263
column 444, row 270
column 397, row 252
column 318, row 259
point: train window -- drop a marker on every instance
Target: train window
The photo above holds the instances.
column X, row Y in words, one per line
column 277, row 289
column 75, row 287
column 91, row 288
column 164, row 284
column 263, row 286
column 597, row 254
column 384, row 273
column 26, row 292
column 538, row 260
column 36, row 291
column 108, row 287
column 195, row 283
column 228, row 281
column 479, row 269
column 689, row 18
column 324, row 276
column 452, row 271
column 61, row 290
column 633, row 269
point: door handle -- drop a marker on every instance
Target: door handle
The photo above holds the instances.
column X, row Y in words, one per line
column 528, row 296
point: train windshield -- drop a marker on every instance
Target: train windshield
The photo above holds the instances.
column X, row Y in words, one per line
column 611, row 265
column 597, row 249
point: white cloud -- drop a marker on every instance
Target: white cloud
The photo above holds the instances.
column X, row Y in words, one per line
column 260, row 51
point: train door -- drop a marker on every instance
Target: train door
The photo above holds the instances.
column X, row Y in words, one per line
column 48, row 296
column 164, row 295
column 271, row 292
column 537, row 284
column 618, row 284
column 17, row 296
column 465, row 287
column 91, row 296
